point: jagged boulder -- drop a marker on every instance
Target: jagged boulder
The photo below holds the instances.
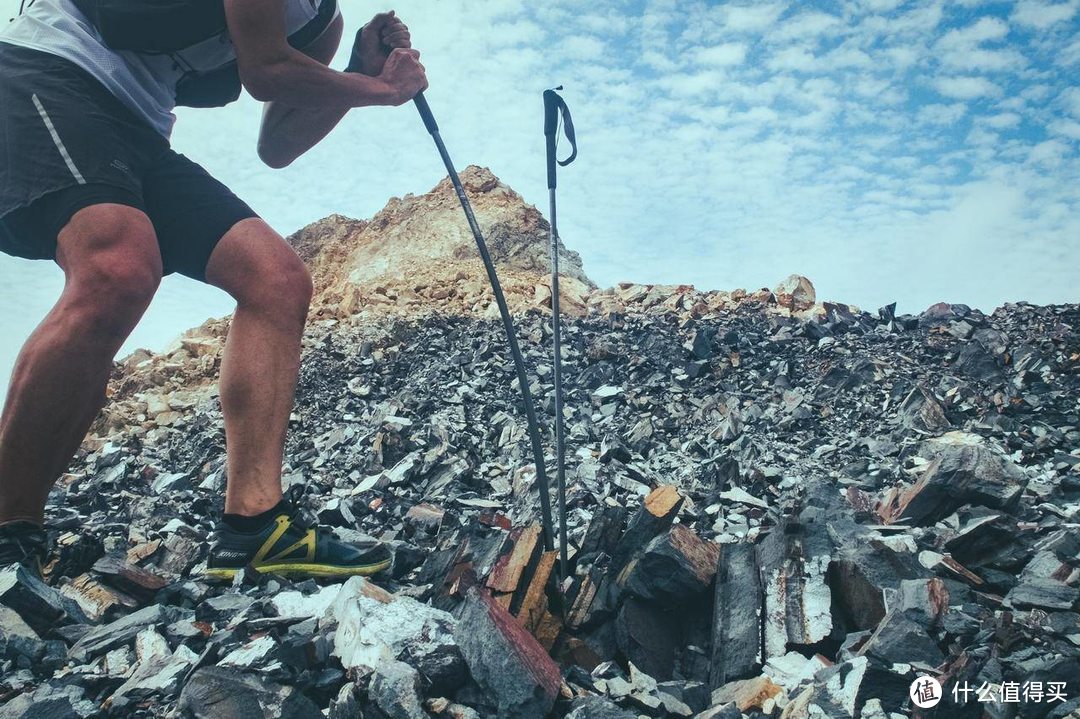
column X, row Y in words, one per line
column 796, row 293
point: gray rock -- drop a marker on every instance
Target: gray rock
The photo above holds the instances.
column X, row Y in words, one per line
column 39, row 605
column 395, row 689
column 923, row 600
column 346, row 705
column 156, row 677
column 964, row 469
column 220, row 693
column 17, row 638
column 50, row 702
column 736, row 644
column 674, row 566
column 107, row 636
column 898, row 639
column 367, row 631
column 595, row 707
column 1042, row 593
column 505, row 660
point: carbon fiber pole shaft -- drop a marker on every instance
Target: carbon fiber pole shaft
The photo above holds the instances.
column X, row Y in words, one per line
column 560, row 441
column 508, row 323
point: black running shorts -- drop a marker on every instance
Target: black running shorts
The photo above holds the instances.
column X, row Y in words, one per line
column 67, row 143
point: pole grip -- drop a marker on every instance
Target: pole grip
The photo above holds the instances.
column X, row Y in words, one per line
column 551, row 127
column 551, row 113
column 425, row 113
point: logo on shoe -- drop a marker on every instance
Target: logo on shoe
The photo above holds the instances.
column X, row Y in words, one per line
column 232, row 555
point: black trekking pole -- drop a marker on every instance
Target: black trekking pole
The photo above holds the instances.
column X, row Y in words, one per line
column 554, row 107
column 508, row 323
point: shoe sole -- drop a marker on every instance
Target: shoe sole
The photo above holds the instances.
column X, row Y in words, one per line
column 302, row 570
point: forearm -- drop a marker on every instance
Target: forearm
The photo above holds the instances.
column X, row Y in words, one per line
column 289, row 132
column 297, row 80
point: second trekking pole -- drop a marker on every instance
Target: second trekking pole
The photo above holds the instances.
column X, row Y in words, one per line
column 554, row 106
column 508, row 323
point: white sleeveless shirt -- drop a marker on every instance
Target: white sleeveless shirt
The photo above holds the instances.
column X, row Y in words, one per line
column 144, row 83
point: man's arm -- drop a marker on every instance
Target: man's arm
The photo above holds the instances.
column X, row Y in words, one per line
column 288, row 132
column 273, row 71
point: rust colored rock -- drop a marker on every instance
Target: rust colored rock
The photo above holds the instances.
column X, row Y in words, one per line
column 534, row 603
column 673, row 567
column 525, row 546
column 657, row 513
column 748, row 693
column 505, row 660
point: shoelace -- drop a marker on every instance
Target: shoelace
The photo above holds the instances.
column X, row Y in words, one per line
column 301, row 515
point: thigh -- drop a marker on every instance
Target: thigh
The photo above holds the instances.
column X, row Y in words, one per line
column 191, row 212
column 75, row 223
column 109, row 243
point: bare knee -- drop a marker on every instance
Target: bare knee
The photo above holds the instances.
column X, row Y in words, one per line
column 113, row 269
column 285, row 291
column 262, row 273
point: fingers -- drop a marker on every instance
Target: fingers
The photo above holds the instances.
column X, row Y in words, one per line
column 396, row 34
column 397, row 39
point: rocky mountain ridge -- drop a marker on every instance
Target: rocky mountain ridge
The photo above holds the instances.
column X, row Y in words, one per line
column 778, row 507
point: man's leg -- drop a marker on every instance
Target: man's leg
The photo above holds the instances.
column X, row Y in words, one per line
column 272, row 289
column 258, row 377
column 112, row 268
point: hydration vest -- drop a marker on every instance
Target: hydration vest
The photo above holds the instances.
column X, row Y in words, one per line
column 173, row 27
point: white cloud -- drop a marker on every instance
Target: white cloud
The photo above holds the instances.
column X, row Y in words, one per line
column 582, row 47
column 751, row 18
column 515, row 33
column 965, row 88
column 793, row 58
column 925, row 18
column 756, row 140
column 963, row 48
column 724, row 55
column 939, row 114
column 881, row 6
column 810, row 23
column 982, row 138
column 611, row 23
column 1070, row 101
column 1065, row 128
column 691, row 84
column 1042, row 15
column 902, row 56
column 1070, row 55
column 1050, row 152
column 1003, row 121
column 982, row 30
column 658, row 61
column 1037, row 92
column 846, row 57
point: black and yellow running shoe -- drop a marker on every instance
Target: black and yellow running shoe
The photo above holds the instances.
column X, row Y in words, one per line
column 292, row 547
column 23, row 543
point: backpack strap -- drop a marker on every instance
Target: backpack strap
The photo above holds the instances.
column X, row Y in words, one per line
column 316, row 26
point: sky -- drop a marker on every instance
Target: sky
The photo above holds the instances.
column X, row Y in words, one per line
column 913, row 152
